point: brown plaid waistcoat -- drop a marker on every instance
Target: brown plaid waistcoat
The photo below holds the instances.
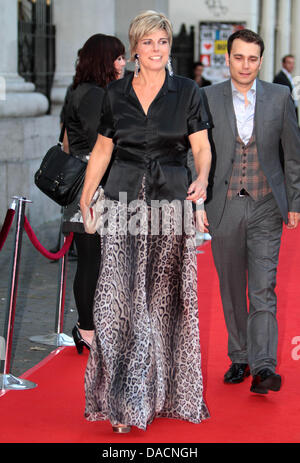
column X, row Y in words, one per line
column 247, row 172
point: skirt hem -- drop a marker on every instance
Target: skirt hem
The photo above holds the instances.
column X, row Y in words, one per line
column 98, row 416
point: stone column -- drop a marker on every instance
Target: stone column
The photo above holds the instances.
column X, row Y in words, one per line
column 254, row 21
column 75, row 22
column 295, row 42
column 283, row 31
column 17, row 97
column 267, row 31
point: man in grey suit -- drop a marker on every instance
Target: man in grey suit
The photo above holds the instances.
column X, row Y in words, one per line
column 249, row 196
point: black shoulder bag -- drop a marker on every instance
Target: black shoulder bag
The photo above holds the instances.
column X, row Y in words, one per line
column 60, row 175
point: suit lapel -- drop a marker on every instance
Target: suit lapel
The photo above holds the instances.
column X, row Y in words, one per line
column 229, row 107
column 259, row 113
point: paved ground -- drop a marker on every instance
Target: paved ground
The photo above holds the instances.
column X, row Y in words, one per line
column 37, row 297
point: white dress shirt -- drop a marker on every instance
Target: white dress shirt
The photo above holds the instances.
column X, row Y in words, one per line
column 290, row 77
column 244, row 114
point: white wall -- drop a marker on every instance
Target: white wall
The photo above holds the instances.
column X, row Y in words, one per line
column 76, row 21
column 191, row 12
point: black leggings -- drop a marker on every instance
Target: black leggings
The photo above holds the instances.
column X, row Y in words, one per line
column 88, row 263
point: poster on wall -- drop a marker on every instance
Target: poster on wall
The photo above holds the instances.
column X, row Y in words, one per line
column 213, row 46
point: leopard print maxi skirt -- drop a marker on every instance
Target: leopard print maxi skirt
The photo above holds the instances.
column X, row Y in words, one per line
column 145, row 360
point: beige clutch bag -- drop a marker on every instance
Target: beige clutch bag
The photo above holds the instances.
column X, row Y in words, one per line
column 92, row 221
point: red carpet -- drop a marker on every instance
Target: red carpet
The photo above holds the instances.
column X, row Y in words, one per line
column 53, row 412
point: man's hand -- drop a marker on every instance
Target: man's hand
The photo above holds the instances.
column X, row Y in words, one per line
column 294, row 218
column 201, row 221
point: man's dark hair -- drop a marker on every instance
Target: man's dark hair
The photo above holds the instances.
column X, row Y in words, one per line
column 247, row 36
column 198, row 63
column 286, row 57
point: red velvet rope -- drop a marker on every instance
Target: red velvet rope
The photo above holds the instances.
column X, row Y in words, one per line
column 6, row 226
column 41, row 249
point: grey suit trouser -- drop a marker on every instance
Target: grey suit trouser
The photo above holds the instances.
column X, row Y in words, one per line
column 245, row 249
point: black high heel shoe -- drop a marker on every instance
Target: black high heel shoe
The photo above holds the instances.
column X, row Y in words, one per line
column 80, row 343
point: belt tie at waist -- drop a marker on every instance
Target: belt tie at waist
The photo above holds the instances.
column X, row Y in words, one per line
column 154, row 173
column 156, row 176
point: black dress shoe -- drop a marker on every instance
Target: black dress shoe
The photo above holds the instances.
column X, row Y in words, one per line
column 237, row 373
column 265, row 381
column 80, row 343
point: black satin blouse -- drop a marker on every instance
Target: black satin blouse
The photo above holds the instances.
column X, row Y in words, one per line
column 156, row 144
column 82, row 115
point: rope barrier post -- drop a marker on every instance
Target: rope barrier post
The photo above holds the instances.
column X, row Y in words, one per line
column 7, row 223
column 58, row 338
column 59, row 319
column 8, row 381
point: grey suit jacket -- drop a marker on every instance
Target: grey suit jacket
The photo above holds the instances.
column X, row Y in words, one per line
column 276, row 125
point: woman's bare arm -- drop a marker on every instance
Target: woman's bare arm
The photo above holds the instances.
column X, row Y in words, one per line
column 202, row 156
column 97, row 165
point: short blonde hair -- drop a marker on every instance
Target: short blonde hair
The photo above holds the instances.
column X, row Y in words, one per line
column 146, row 23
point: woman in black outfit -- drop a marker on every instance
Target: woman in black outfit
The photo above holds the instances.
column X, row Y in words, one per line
column 101, row 61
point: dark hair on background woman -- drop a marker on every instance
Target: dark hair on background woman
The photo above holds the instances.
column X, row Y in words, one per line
column 96, row 60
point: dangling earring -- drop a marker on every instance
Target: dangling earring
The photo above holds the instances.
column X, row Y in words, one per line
column 169, row 66
column 137, row 65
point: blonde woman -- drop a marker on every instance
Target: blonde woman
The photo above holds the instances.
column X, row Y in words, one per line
column 145, row 359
